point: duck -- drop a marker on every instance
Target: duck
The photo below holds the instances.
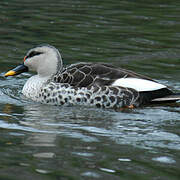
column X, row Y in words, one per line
column 88, row 84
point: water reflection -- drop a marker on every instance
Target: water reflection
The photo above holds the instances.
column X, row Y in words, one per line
column 139, row 128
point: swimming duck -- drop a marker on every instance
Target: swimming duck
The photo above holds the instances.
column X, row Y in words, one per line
column 90, row 84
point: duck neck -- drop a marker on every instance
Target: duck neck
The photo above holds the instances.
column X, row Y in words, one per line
column 33, row 86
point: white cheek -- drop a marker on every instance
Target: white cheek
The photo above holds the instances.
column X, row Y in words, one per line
column 31, row 64
column 138, row 84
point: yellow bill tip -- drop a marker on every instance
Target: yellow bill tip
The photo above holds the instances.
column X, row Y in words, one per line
column 10, row 73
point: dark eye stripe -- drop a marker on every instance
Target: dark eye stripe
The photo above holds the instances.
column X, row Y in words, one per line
column 33, row 53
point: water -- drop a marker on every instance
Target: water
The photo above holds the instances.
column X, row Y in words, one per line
column 48, row 142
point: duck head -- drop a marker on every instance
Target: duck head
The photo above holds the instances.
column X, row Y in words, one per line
column 44, row 59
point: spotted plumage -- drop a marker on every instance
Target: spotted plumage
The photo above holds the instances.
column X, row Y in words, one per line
column 105, row 97
column 87, row 84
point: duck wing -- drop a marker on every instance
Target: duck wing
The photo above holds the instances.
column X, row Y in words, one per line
column 88, row 74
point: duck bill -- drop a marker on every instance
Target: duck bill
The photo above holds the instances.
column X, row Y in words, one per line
column 18, row 70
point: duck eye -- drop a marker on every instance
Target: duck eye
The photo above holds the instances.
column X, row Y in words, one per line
column 33, row 53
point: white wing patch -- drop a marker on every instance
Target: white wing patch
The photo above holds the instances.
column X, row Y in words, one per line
column 138, row 84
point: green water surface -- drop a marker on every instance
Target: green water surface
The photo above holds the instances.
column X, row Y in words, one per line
column 67, row 143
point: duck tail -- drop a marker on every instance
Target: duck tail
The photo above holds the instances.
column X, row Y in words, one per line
column 168, row 98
